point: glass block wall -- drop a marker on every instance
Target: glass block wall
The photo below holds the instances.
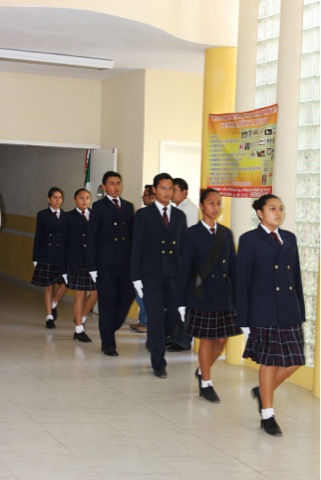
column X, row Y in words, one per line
column 308, row 159
column 308, row 168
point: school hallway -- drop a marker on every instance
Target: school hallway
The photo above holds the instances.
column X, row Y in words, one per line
column 68, row 412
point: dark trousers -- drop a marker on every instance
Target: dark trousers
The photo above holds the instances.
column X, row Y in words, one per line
column 180, row 337
column 115, row 296
column 161, row 308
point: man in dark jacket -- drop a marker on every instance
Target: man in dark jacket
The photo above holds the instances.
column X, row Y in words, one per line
column 108, row 258
column 156, row 258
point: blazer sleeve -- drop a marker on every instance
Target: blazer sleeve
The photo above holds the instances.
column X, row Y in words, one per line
column 298, row 280
column 138, row 244
column 186, row 267
column 39, row 236
column 244, row 266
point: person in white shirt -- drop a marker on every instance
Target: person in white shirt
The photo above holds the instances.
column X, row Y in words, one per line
column 180, row 198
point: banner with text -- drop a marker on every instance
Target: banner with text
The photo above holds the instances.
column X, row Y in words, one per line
column 241, row 152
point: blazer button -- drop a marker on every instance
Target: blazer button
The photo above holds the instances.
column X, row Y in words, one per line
column 277, row 289
column 174, row 243
column 49, row 244
column 115, row 223
column 290, row 288
column 85, row 245
column 288, row 267
column 223, row 261
column 50, row 234
column 163, row 251
column 170, row 252
column 58, row 245
column 213, row 276
column 83, row 234
column 163, row 241
column 115, row 239
column 123, row 238
column 276, row 267
column 224, row 275
column 123, row 223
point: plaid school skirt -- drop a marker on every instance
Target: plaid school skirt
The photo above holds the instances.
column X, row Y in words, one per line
column 277, row 346
column 202, row 324
column 80, row 279
column 46, row 274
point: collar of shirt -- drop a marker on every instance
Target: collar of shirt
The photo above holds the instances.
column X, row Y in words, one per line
column 275, row 231
column 86, row 211
column 114, row 198
column 208, row 227
column 55, row 211
column 161, row 209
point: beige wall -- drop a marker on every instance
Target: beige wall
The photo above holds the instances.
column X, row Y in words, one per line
column 42, row 110
column 141, row 109
column 122, row 126
column 173, row 112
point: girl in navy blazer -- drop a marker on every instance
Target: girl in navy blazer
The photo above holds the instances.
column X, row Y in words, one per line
column 79, row 279
column 270, row 302
column 206, row 287
column 48, row 253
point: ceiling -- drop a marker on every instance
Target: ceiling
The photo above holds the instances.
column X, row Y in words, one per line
column 132, row 45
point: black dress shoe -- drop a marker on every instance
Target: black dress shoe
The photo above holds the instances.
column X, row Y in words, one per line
column 168, row 342
column 110, row 351
column 199, row 378
column 271, row 427
column 54, row 313
column 209, row 394
column 160, row 372
column 50, row 324
column 255, row 392
column 175, row 348
column 82, row 337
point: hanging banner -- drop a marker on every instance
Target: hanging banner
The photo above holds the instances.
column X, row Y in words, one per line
column 241, row 152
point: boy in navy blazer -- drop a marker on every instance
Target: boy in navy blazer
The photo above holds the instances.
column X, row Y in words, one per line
column 158, row 232
column 108, row 258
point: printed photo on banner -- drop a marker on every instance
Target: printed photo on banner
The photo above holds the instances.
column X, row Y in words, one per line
column 241, row 152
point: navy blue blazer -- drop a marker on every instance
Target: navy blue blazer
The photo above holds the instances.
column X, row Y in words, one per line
column 48, row 244
column 219, row 285
column 110, row 234
column 268, row 280
column 157, row 249
column 76, row 227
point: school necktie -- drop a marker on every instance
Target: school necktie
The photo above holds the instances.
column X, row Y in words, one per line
column 56, row 215
column 212, row 230
column 165, row 217
column 274, row 235
column 84, row 215
column 115, row 200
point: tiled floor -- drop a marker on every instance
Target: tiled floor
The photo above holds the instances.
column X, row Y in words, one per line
column 68, row 412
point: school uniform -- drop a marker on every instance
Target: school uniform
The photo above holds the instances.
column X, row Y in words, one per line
column 211, row 308
column 48, row 248
column 269, row 297
column 110, row 233
column 155, row 261
column 76, row 239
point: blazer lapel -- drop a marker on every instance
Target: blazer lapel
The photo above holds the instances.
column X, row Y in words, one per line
column 157, row 217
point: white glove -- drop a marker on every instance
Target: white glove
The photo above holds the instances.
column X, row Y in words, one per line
column 182, row 312
column 138, row 285
column 35, row 264
column 246, row 332
column 93, row 276
column 65, row 277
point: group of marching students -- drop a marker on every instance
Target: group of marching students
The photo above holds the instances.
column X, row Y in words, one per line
column 218, row 293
